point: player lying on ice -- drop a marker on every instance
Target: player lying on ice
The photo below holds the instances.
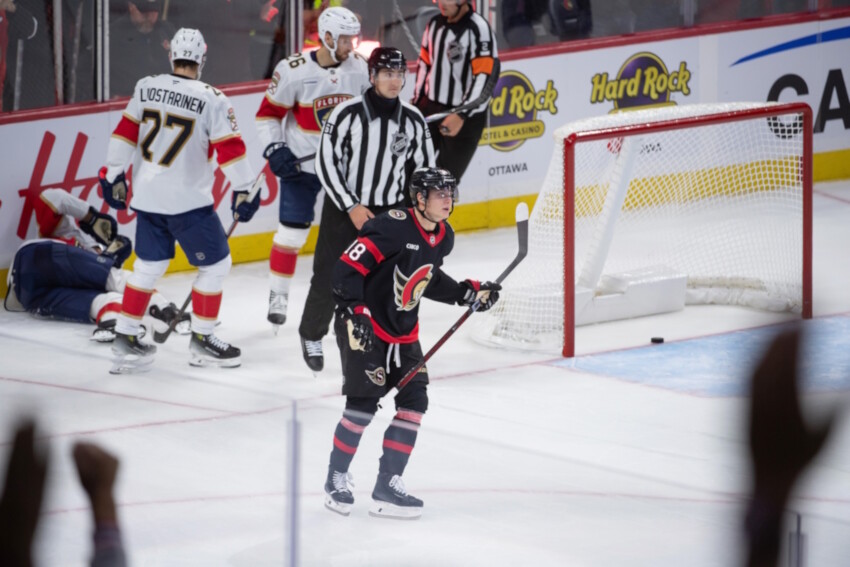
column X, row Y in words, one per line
column 377, row 285
column 73, row 273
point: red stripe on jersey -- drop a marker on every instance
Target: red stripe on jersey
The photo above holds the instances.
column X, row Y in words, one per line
column 269, row 110
column 282, row 261
column 113, row 307
column 306, row 118
column 396, row 446
column 370, row 246
column 359, row 267
column 128, row 130
column 351, row 426
column 409, row 415
column 343, row 447
column 229, row 149
column 46, row 216
column 206, row 305
column 410, row 337
column 135, row 301
column 441, row 231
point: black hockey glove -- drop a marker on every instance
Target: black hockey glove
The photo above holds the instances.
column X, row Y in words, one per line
column 101, row 227
column 115, row 193
column 358, row 321
column 281, row 160
column 243, row 209
column 486, row 293
column 119, row 250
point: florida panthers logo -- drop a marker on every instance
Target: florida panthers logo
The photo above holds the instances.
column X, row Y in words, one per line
column 377, row 376
column 408, row 290
column 324, row 105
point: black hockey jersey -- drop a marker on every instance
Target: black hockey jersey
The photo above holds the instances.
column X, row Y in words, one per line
column 390, row 266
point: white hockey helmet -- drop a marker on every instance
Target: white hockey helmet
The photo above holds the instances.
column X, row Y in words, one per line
column 338, row 21
column 188, row 45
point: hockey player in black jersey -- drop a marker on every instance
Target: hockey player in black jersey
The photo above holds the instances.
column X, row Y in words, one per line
column 377, row 285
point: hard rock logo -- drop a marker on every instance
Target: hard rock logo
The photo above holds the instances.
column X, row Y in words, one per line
column 513, row 111
column 643, row 81
column 408, row 290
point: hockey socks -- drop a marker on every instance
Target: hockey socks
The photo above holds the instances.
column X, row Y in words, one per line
column 205, row 307
column 347, row 436
column 282, row 265
column 133, row 308
column 399, row 440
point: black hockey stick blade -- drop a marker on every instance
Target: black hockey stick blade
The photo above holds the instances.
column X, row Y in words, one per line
column 486, row 93
column 522, row 251
column 252, row 193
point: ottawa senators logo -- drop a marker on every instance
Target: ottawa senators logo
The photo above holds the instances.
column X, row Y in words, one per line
column 324, row 105
column 377, row 376
column 408, row 290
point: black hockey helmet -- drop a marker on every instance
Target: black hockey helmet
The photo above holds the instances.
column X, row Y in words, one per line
column 386, row 58
column 426, row 179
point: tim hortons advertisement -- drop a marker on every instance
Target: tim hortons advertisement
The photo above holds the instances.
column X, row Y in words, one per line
column 67, row 152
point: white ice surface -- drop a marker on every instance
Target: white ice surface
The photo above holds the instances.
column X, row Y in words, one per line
column 519, row 462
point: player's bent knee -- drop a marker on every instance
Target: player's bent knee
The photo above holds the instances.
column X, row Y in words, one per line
column 211, row 278
column 290, row 237
column 363, row 405
column 414, row 397
column 147, row 272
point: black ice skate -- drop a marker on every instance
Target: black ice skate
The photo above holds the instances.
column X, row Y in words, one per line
column 209, row 350
column 131, row 355
column 391, row 499
column 163, row 318
column 313, row 355
column 278, row 303
column 338, row 496
column 105, row 331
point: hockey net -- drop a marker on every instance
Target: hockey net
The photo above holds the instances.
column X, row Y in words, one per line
column 718, row 193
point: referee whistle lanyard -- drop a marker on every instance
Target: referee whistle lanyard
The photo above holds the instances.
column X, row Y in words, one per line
column 393, row 347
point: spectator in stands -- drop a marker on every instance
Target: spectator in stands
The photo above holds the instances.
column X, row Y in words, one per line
column 16, row 23
column 23, row 489
column 138, row 45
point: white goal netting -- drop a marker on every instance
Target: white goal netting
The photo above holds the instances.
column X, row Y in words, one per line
column 720, row 200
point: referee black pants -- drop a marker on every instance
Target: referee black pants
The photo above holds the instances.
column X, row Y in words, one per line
column 454, row 153
column 336, row 232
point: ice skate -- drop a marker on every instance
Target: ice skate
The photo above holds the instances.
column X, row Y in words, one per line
column 131, row 355
column 338, row 496
column 163, row 318
column 391, row 500
column 104, row 332
column 209, row 350
column 278, row 303
column 313, row 355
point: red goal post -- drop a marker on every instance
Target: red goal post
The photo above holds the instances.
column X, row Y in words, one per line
column 645, row 211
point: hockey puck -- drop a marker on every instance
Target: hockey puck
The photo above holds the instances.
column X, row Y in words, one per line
column 657, row 340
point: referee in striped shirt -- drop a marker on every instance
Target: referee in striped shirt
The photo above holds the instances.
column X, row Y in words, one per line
column 457, row 57
column 368, row 148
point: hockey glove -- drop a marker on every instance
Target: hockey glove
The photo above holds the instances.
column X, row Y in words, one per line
column 101, row 227
column 243, row 209
column 115, row 193
column 486, row 293
column 282, row 160
column 119, row 250
column 358, row 322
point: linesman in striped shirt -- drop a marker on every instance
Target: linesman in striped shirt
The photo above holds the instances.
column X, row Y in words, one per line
column 457, row 57
column 369, row 146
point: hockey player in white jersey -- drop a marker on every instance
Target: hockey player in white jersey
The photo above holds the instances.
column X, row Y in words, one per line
column 171, row 128
column 304, row 89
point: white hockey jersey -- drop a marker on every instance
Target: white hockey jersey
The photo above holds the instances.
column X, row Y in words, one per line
column 171, row 128
column 301, row 96
column 56, row 212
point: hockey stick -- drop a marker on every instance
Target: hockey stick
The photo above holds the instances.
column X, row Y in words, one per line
column 486, row 93
column 252, row 194
column 522, row 237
